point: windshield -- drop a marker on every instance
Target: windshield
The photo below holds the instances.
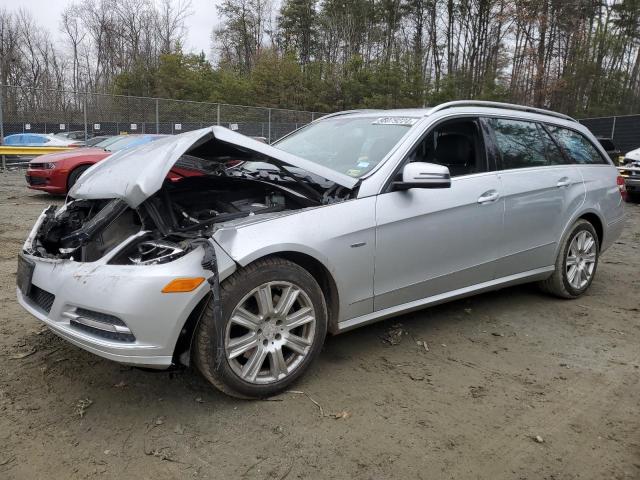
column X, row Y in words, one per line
column 120, row 143
column 128, row 141
column 350, row 145
column 93, row 142
column 106, row 142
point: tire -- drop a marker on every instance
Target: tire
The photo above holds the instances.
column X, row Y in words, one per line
column 75, row 175
column 238, row 353
column 562, row 284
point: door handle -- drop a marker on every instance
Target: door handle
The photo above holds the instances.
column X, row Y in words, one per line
column 563, row 182
column 488, row 197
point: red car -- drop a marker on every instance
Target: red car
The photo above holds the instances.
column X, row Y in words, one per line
column 57, row 172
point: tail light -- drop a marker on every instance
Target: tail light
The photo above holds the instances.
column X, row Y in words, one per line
column 622, row 187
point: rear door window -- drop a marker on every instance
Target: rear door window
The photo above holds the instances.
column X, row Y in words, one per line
column 578, row 148
column 553, row 152
column 520, row 143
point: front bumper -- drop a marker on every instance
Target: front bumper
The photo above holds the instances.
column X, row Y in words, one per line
column 130, row 293
column 51, row 181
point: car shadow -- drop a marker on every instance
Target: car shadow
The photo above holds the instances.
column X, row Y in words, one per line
column 439, row 316
column 183, row 386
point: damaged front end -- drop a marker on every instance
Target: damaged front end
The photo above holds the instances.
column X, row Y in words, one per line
column 181, row 217
column 152, row 202
column 159, row 230
column 83, row 230
column 142, row 220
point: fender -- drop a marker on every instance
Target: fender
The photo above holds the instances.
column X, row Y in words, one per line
column 280, row 248
column 339, row 237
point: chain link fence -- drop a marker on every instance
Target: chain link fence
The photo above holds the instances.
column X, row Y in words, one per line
column 25, row 110
column 624, row 130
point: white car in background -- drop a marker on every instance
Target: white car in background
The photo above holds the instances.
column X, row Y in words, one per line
column 631, row 173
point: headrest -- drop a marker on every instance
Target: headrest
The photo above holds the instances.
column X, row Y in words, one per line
column 454, row 149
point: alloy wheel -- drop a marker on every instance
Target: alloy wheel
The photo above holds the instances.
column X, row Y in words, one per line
column 581, row 259
column 270, row 332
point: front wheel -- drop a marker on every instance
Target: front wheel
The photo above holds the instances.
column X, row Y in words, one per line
column 75, row 175
column 576, row 263
column 273, row 325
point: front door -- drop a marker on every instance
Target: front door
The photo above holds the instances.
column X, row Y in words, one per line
column 433, row 241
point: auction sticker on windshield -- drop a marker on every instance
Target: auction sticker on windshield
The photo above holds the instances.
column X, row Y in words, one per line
column 407, row 121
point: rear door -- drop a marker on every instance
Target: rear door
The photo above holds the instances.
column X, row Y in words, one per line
column 541, row 191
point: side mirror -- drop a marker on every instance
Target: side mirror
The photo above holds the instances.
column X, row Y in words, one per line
column 423, row 175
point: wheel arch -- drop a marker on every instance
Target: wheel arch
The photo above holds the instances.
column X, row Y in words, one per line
column 323, row 276
column 594, row 220
column 73, row 169
column 311, row 264
column 590, row 215
column 311, row 260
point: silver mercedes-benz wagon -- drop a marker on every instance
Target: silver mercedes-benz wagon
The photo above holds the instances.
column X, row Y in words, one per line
column 214, row 248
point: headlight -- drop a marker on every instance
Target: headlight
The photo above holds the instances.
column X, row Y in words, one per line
column 155, row 251
column 43, row 166
column 145, row 250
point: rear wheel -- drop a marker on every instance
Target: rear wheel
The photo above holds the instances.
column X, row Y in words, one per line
column 75, row 175
column 576, row 263
column 273, row 325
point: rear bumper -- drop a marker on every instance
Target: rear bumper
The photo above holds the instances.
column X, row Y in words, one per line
column 51, row 181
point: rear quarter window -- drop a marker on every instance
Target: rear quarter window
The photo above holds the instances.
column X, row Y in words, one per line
column 579, row 149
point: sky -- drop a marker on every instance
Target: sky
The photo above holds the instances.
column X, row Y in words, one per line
column 199, row 25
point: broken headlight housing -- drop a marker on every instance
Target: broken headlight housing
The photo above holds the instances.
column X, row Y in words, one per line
column 151, row 252
column 148, row 251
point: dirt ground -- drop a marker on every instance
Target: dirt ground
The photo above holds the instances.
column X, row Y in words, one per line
column 514, row 385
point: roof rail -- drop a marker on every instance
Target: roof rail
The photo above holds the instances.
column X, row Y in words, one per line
column 345, row 112
column 510, row 106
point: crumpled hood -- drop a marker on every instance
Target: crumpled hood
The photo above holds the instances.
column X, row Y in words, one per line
column 633, row 155
column 137, row 173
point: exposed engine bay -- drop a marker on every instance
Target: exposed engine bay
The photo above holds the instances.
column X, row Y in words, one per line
column 167, row 225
